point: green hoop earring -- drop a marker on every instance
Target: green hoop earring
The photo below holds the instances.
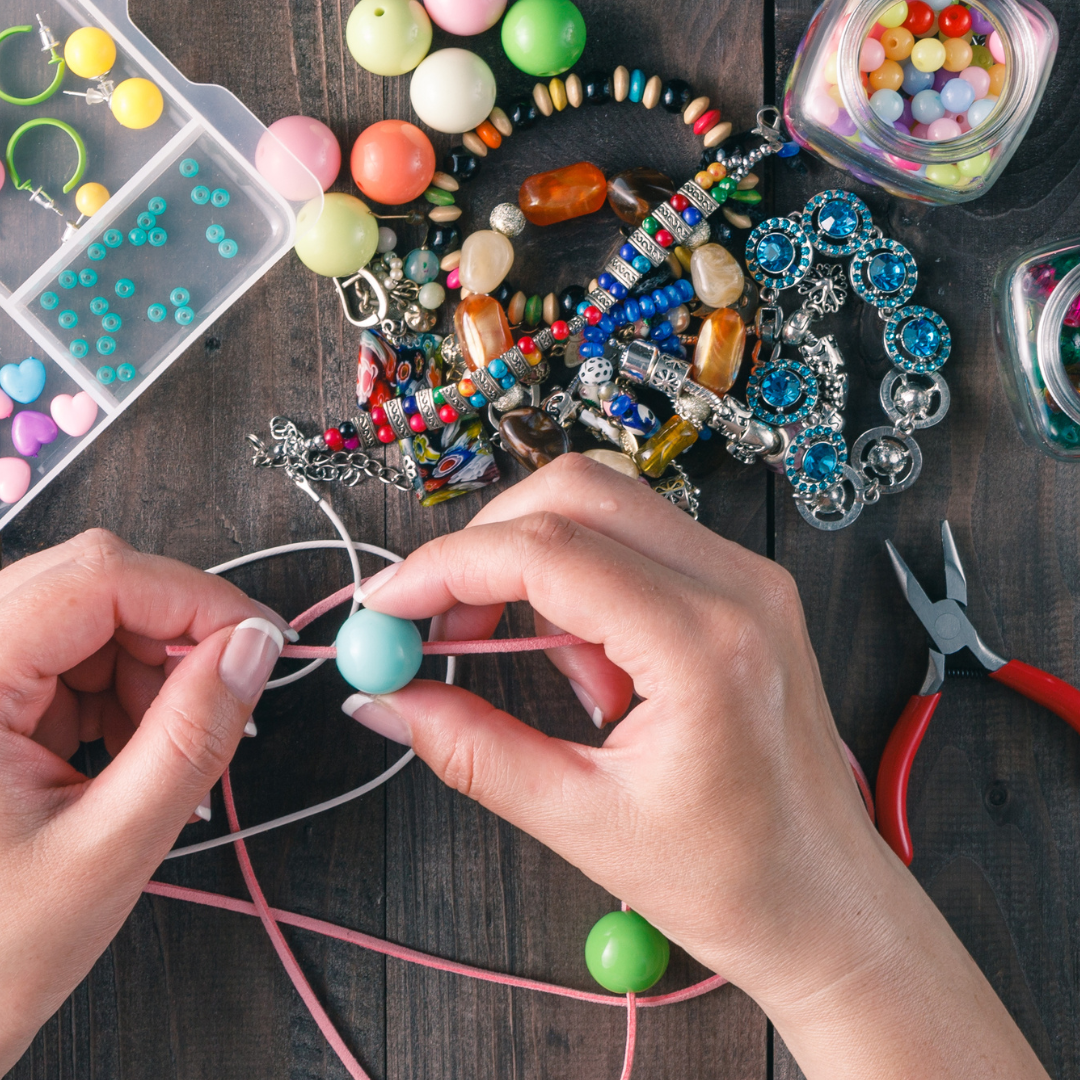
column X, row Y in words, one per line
column 30, row 125
column 48, row 44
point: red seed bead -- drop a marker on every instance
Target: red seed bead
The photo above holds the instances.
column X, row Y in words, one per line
column 527, row 345
column 385, row 434
column 416, row 422
column 955, row 21
column 559, row 330
column 378, row 416
column 678, row 203
column 593, row 315
column 706, row 121
column 664, row 238
column 448, row 414
column 332, row 438
column 920, row 17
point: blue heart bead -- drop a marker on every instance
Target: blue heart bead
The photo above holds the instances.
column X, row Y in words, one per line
column 23, row 382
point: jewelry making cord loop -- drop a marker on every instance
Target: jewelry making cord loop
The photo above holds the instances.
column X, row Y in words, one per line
column 61, row 70
column 45, row 121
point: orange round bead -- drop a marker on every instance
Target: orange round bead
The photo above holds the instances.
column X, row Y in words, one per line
column 466, row 388
column 393, row 162
column 998, row 74
column 898, row 43
column 890, row 76
column 704, row 180
column 717, row 171
column 489, row 135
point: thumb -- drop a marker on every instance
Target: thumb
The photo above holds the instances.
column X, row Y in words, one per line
column 545, row 786
column 183, row 744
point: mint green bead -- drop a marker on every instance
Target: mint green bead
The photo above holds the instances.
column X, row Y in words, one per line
column 543, row 37
column 378, row 654
column 388, row 37
column 336, row 235
column 625, row 954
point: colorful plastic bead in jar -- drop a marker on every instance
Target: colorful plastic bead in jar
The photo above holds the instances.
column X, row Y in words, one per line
column 990, row 58
column 1037, row 317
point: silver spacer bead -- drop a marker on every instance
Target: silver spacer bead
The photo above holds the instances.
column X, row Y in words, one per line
column 507, row 219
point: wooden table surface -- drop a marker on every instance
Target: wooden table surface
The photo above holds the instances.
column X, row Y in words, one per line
column 189, row 993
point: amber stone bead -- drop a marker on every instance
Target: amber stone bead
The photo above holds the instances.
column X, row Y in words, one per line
column 533, row 436
column 633, row 193
column 719, row 353
column 550, row 197
column 482, row 330
column 665, row 446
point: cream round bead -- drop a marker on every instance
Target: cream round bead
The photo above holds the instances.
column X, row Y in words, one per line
column 453, row 90
column 432, row 296
column 486, row 259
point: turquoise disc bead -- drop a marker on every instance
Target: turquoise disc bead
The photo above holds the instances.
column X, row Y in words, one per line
column 625, row 954
column 421, row 266
column 378, row 654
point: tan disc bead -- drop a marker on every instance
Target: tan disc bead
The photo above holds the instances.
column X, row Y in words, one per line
column 718, row 134
column 551, row 308
column 444, row 214
column 750, row 180
column 620, row 84
column 651, row 98
column 451, row 261
column 557, row 89
column 445, row 182
column 614, row 460
column 737, row 220
column 575, row 92
column 501, row 122
column 474, row 144
column 543, row 99
column 695, row 110
column 515, row 311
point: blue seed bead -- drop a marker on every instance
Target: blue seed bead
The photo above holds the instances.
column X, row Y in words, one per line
column 641, row 264
column 583, row 307
column 621, row 404
column 113, row 238
column 78, row 348
column 179, row 297
column 215, row 234
column 189, row 167
column 618, row 315
column 648, row 308
column 686, row 290
column 637, row 85
column 673, row 295
column 219, row 197
column 49, row 301
column 618, row 290
column 125, row 287
column 146, row 220
column 183, row 315
column 96, row 252
column 496, row 368
column 706, row 432
column 507, row 381
column 590, row 349
column 607, row 324
column 106, row 374
column 409, row 405
column 628, row 252
column 660, row 299
column 156, row 313
column 692, row 216
column 125, row 372
column 593, row 333
column 227, row 249
column 200, row 195
column 106, row 345
column 67, row 280
column 605, row 281
column 111, row 323
column 157, row 237
column 789, row 149
column 157, row 205
column 377, row 653
column 137, row 237
column 661, row 331
column 68, row 320
column 478, row 401
column 87, row 278
column 633, row 310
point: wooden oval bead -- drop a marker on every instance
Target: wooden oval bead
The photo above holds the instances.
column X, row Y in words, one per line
column 696, row 109
column 750, row 180
column 474, row 144
column 575, row 93
column 515, row 310
column 651, row 98
column 489, row 135
column 551, row 308
column 683, row 255
column 718, row 134
column 444, row 214
column 543, row 99
column 501, row 122
column 737, row 220
column 620, row 84
column 445, row 181
column 451, row 261
column 557, row 89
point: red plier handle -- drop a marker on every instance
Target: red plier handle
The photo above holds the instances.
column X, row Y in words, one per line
column 895, row 769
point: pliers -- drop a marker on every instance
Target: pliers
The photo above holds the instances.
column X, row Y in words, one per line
column 950, row 631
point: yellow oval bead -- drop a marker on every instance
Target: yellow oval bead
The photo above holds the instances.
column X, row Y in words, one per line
column 557, row 89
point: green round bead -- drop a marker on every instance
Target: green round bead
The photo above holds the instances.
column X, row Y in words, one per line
column 336, row 235
column 388, row 37
column 543, row 37
column 625, row 954
column 651, row 225
column 378, row 654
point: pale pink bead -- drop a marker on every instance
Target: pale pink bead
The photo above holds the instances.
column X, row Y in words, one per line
column 453, row 279
column 824, row 109
column 920, row 131
column 997, row 48
column 300, row 156
column 465, row 17
column 944, row 129
column 900, row 163
column 965, row 127
column 979, row 80
column 872, row 55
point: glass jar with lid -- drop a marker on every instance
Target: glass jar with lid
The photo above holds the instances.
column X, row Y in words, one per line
column 875, row 82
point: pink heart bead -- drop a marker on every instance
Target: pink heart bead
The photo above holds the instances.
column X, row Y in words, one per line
column 30, row 431
column 14, row 479
column 74, row 416
column 7, row 406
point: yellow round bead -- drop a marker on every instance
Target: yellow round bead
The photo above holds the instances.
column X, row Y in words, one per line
column 137, row 104
column 90, row 198
column 894, row 16
column 90, row 52
column 704, row 180
column 975, row 166
column 928, row 55
column 943, row 175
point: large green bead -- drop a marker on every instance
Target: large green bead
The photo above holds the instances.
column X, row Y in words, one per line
column 336, row 235
column 625, row 954
column 388, row 37
column 543, row 37
column 378, row 653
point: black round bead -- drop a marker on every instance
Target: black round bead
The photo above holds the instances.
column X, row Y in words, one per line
column 523, row 114
column 462, row 164
column 504, row 293
column 720, row 231
column 597, row 88
column 347, row 429
column 443, row 238
column 676, row 95
column 569, row 299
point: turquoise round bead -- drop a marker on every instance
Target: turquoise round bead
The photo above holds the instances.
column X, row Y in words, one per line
column 625, row 954
column 378, row 654
column 543, row 37
column 421, row 266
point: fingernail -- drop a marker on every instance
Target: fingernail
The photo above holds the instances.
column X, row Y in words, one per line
column 287, row 631
column 371, row 585
column 590, row 706
column 373, row 714
column 204, row 811
column 250, row 656
column 250, row 730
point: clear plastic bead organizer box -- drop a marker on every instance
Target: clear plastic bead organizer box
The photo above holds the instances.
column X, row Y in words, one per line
column 91, row 315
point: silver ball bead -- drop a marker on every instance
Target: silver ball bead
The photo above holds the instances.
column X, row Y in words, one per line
column 831, row 500
column 887, row 457
column 507, row 219
column 913, row 400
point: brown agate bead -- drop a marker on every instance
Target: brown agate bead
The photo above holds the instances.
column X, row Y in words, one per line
column 719, row 353
column 632, row 194
column 574, row 191
column 533, row 436
column 482, row 330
